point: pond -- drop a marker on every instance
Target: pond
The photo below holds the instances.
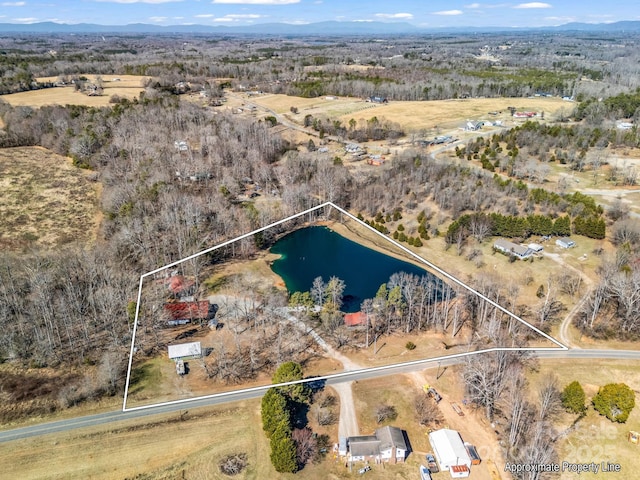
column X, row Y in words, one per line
column 320, row 252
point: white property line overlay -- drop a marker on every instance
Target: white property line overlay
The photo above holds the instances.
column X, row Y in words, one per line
column 337, row 375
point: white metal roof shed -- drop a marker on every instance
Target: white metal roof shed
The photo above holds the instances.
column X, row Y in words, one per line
column 449, row 449
column 185, row 350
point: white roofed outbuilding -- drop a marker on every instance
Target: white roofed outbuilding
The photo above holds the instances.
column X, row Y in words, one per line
column 185, row 351
column 450, row 451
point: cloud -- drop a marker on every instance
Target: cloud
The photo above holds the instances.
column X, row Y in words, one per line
column 243, row 15
column 25, row 20
column 259, row 2
column 473, row 5
column 232, row 17
column 534, row 5
column 561, row 19
column 449, row 12
column 403, row 16
column 158, row 19
column 14, row 4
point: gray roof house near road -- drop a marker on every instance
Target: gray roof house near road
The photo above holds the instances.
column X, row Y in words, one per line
column 388, row 445
column 510, row 248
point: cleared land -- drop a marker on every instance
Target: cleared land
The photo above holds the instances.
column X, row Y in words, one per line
column 45, row 200
column 129, row 86
column 412, row 116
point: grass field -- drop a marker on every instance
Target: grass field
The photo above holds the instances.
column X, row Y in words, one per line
column 412, row 116
column 128, row 86
column 166, row 447
column 45, row 200
column 596, row 439
column 182, row 445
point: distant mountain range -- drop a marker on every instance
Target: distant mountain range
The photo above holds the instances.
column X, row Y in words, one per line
column 320, row 28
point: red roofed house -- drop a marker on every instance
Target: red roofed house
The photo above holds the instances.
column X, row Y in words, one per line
column 355, row 319
column 181, row 313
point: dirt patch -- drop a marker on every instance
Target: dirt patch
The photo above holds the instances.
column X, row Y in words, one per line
column 45, row 200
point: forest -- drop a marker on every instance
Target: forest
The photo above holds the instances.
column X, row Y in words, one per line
column 158, row 204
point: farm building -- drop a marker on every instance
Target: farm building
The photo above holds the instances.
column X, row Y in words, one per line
column 181, row 313
column 510, row 248
column 565, row 242
column 450, row 452
column 388, row 445
column 185, row 351
column 355, row 319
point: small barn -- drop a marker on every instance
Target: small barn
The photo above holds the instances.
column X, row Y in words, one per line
column 565, row 242
column 450, row 452
column 185, row 351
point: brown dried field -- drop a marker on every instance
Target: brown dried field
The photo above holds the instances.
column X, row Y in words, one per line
column 412, row 116
column 128, row 86
column 45, row 200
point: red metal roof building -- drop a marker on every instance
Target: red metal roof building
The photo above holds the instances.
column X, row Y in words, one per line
column 188, row 310
column 355, row 319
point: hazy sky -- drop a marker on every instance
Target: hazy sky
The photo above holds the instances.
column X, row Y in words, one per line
column 425, row 13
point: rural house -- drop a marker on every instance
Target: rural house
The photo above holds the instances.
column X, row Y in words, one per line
column 565, row 242
column 510, row 248
column 181, row 313
column 387, row 445
column 377, row 99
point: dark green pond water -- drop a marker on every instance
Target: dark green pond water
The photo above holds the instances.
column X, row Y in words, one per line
column 320, row 252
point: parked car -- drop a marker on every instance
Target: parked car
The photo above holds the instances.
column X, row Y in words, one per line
column 431, row 463
column 364, row 469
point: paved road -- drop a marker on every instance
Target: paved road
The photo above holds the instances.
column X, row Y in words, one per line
column 103, row 418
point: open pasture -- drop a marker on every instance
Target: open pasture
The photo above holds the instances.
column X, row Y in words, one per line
column 127, row 86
